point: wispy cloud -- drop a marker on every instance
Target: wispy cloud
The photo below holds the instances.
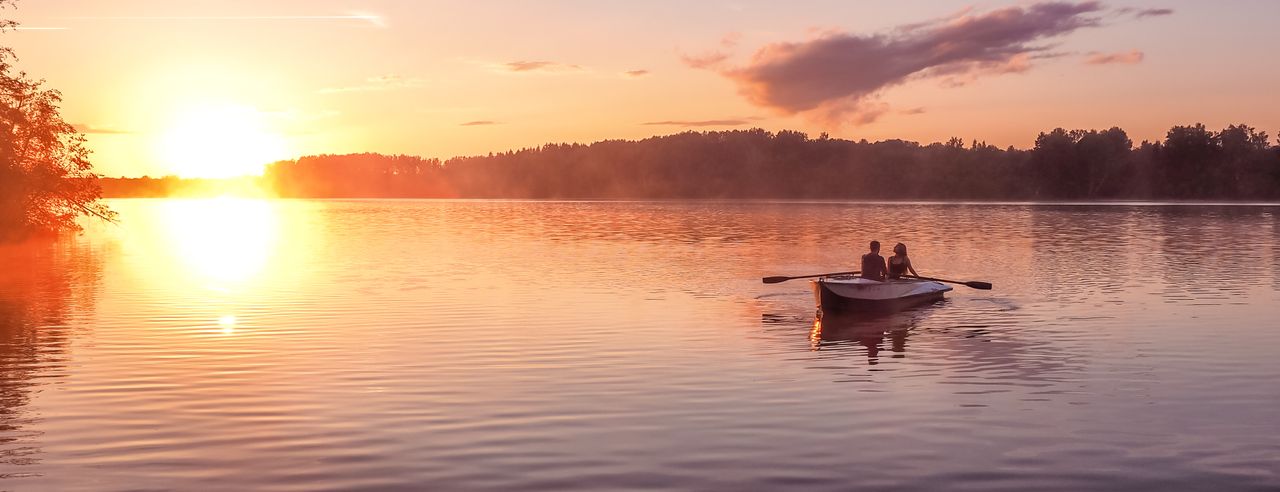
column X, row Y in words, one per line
column 33, row 28
column 836, row 77
column 480, row 123
column 1131, row 57
column 730, row 40
column 379, row 83
column 363, row 18
column 1153, row 12
column 713, row 59
column 727, row 122
column 709, row 61
column 1140, row 13
column 912, row 111
column 539, row 66
column 94, row 130
column 635, row 73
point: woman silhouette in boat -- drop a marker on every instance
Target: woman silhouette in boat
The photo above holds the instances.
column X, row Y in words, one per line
column 899, row 264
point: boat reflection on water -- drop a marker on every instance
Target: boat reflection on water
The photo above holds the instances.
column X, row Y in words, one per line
column 876, row 332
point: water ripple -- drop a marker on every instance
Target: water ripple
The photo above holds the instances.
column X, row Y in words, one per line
column 403, row 345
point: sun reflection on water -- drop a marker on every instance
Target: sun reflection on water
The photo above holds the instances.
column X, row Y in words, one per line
column 228, row 324
column 222, row 240
column 815, row 335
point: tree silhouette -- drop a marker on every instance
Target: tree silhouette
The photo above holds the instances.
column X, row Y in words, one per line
column 46, row 179
column 1246, row 167
column 1192, row 162
column 1080, row 164
column 1188, row 159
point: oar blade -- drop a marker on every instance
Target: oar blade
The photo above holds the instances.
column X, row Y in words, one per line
column 979, row 285
column 780, row 278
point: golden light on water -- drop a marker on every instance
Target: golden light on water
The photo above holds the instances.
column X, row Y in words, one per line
column 815, row 335
column 224, row 240
column 228, row 324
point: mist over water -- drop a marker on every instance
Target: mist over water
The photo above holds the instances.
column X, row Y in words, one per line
column 410, row 344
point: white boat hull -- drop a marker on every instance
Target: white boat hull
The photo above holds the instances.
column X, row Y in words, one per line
column 859, row 294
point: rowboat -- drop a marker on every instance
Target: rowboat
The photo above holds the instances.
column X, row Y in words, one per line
column 849, row 293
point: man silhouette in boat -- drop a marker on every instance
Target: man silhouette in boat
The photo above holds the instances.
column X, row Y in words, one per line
column 873, row 265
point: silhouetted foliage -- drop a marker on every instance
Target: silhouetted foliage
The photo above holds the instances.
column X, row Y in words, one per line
column 46, row 180
column 1191, row 163
column 357, row 175
column 173, row 186
column 1081, row 164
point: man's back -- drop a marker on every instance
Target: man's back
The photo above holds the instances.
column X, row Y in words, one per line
column 873, row 266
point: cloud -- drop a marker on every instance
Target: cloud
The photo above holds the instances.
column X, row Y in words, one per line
column 1140, row 13
column 635, row 73
column 1153, row 13
column 856, row 112
column 1132, row 57
column 365, row 19
column 539, row 66
column 728, row 122
column 713, row 59
column 93, row 130
column 730, row 40
column 709, row 61
column 480, row 123
column 378, row 83
column 912, row 111
column 836, row 77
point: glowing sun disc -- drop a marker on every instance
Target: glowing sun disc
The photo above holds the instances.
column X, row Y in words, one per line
column 221, row 141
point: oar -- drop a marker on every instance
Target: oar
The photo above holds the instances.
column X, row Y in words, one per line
column 774, row 280
column 971, row 283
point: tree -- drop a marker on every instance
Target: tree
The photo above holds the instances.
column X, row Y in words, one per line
column 46, row 179
column 1190, row 159
column 1104, row 158
column 1054, row 162
column 1246, row 162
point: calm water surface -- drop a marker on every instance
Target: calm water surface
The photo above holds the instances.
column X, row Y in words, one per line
column 383, row 345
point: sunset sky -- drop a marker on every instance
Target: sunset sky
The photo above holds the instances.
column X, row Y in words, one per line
column 217, row 88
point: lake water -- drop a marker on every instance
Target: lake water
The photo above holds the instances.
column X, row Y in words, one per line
column 455, row 345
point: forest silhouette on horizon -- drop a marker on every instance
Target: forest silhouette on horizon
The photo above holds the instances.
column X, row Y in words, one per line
column 1190, row 163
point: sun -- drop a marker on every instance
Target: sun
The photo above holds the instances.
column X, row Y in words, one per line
column 220, row 141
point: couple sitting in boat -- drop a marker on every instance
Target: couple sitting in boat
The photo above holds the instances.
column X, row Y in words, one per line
column 875, row 267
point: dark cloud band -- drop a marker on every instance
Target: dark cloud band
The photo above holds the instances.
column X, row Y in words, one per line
column 837, row 76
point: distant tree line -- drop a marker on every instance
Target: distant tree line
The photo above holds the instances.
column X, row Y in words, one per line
column 1192, row 162
column 173, row 186
column 359, row 175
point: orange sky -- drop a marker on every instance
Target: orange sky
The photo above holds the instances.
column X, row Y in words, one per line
column 216, row 88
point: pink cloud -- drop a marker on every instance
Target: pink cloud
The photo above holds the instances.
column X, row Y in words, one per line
column 1140, row 13
column 1132, row 57
column 708, row 61
column 1153, row 13
column 835, row 77
column 539, row 66
column 728, row 122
